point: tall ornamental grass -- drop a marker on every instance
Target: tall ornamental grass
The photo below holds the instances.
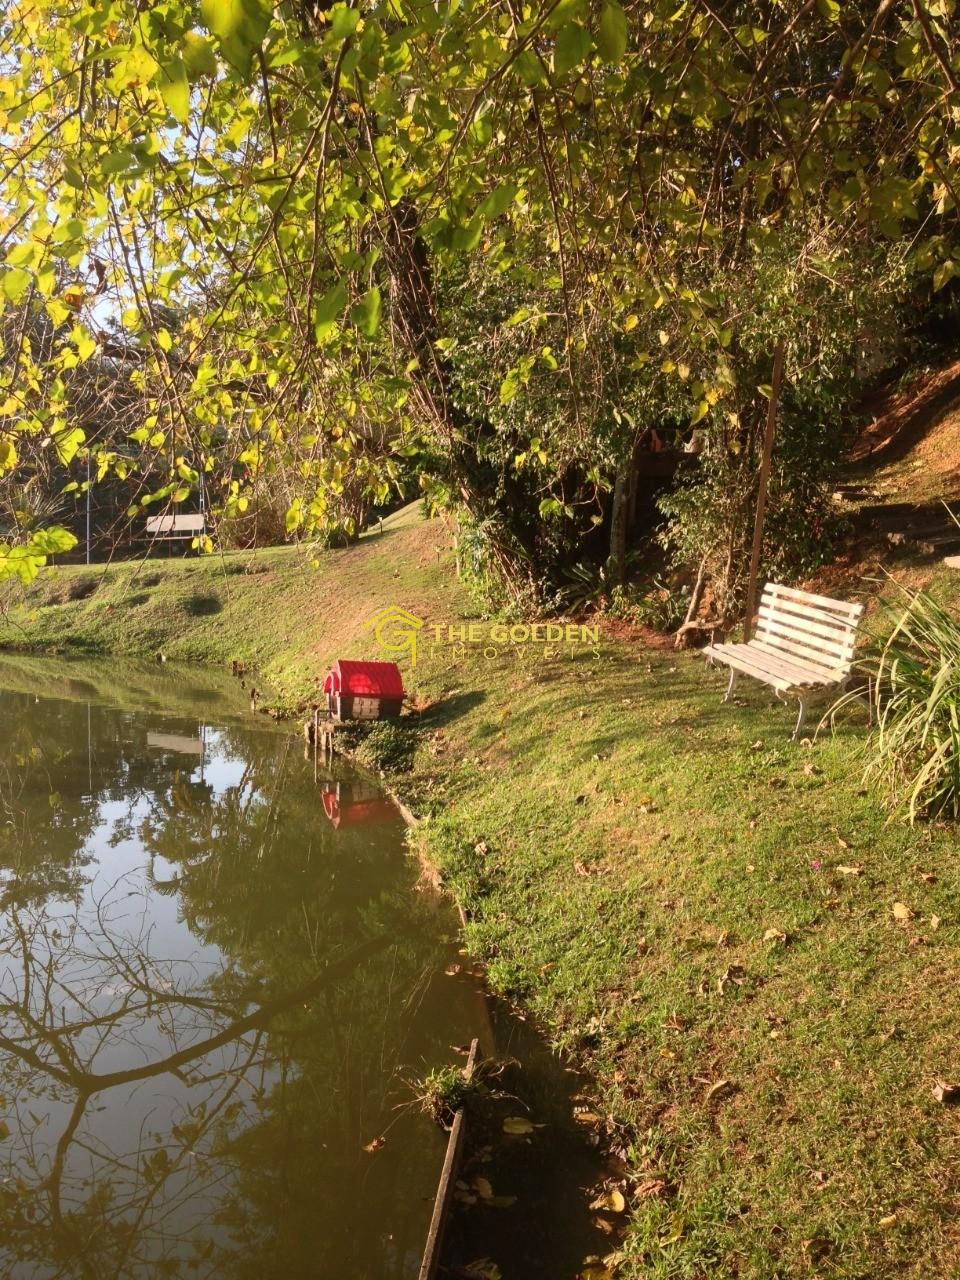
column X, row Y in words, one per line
column 916, row 693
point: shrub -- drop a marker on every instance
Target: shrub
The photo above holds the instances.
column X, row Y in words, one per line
column 916, row 692
column 389, row 746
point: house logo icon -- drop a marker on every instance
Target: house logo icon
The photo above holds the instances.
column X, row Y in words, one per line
column 396, row 630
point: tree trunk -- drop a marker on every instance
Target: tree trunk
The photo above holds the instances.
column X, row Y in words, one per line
column 619, row 519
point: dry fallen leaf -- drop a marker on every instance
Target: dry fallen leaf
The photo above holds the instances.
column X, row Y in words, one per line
column 887, row 1222
column 774, row 935
column 736, row 973
column 483, row 1188
column 855, row 870
column 719, row 1089
column 946, row 1093
column 517, row 1125
column 653, row 1187
column 934, row 923
column 376, row 1144
column 902, row 913
column 928, row 877
column 596, row 1271
column 757, row 746
column 586, row 1117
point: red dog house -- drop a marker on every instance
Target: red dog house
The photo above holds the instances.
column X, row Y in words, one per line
column 364, row 690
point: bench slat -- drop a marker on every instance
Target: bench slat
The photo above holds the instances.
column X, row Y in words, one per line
column 171, row 525
column 831, row 674
column 842, row 607
column 786, row 667
column 809, row 615
column 791, row 651
column 768, row 667
column 783, row 634
column 750, row 667
column 812, row 629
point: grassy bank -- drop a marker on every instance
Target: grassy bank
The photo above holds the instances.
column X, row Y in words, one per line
column 700, row 909
column 281, row 609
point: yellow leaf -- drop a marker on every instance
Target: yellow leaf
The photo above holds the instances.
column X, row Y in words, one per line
column 889, row 1221
column 483, row 1188
column 631, row 322
column 484, row 1267
column 517, row 1124
column 902, row 912
column 610, row 1202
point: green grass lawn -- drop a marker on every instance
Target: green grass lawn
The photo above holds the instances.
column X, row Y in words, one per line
column 699, row 909
column 685, row 897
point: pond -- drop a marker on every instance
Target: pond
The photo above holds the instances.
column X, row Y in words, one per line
column 219, row 974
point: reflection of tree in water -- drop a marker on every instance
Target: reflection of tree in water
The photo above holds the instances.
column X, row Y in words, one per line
column 177, row 1117
column 41, row 842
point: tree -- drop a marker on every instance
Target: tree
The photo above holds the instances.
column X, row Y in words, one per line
column 310, row 183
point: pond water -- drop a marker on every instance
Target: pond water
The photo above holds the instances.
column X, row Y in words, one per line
column 218, row 972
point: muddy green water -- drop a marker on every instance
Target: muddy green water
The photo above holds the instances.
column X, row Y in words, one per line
column 216, row 971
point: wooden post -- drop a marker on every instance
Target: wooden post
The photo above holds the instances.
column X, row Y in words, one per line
column 764, row 481
column 441, row 1206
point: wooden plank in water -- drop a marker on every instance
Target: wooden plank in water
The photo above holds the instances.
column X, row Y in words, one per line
column 448, row 1176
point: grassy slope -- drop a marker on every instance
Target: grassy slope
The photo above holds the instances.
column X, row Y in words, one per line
column 272, row 608
column 622, row 845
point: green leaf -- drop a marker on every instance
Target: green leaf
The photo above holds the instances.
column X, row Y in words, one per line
column 328, row 309
column 829, row 9
column 175, row 88
column 14, row 283
column 498, row 201
column 945, row 272
column 239, row 26
column 344, row 21
column 52, row 542
column 612, row 36
column 67, row 442
column 366, row 314
column 294, row 516
column 700, row 412
column 199, row 56
column 571, row 49
column 566, row 11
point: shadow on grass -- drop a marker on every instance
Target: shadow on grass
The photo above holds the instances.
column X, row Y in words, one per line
column 202, row 606
column 450, row 709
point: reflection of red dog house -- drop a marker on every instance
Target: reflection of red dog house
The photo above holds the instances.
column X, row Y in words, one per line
column 355, row 805
column 364, row 690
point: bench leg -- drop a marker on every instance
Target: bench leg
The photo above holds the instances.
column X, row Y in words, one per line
column 804, row 708
column 730, row 687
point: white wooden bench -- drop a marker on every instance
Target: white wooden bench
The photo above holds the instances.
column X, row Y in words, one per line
column 176, row 526
column 802, row 643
